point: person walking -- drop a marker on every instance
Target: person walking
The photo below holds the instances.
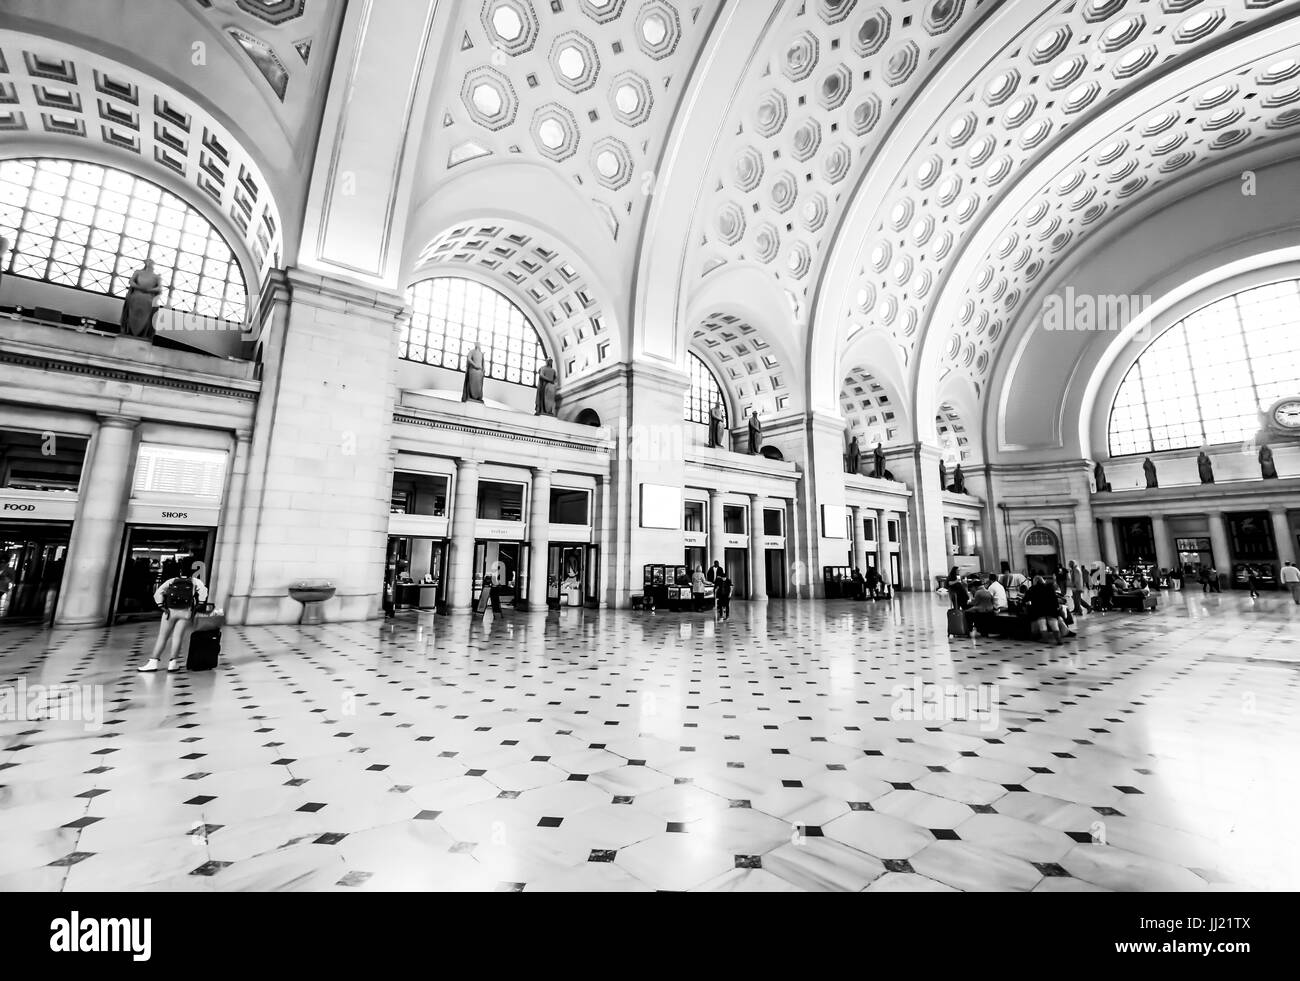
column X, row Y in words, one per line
column 1290, row 578
column 722, row 594
column 178, row 598
column 1252, row 580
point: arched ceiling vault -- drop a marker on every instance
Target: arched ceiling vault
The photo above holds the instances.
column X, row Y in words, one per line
column 1241, row 58
column 224, row 96
column 1056, row 79
column 586, row 90
column 535, row 270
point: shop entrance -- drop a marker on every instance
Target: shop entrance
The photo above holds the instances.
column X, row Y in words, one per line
column 32, row 557
column 573, row 574
column 736, row 562
column 504, row 563
column 774, row 560
column 150, row 557
column 695, row 559
column 415, row 574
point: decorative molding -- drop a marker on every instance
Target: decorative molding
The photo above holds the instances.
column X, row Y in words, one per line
column 55, row 364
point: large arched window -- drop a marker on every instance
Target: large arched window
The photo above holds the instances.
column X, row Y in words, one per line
column 1207, row 378
column 703, row 393
column 449, row 315
column 90, row 227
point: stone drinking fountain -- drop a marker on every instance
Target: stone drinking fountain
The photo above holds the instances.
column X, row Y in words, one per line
column 312, row 594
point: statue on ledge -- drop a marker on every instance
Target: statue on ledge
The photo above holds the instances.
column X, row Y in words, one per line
column 547, row 389
column 1205, row 468
column 958, row 481
column 1099, row 474
column 716, row 426
column 137, row 307
column 1267, row 470
column 755, row 433
column 878, row 462
column 855, row 457
column 1149, row 469
column 943, row 476
column 473, row 390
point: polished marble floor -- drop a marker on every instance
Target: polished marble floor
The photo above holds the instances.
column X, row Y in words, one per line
column 619, row 751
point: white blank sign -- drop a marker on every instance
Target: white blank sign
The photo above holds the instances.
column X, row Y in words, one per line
column 661, row 506
column 833, row 518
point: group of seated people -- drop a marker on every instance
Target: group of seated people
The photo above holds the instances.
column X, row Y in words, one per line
column 1040, row 608
column 1016, row 605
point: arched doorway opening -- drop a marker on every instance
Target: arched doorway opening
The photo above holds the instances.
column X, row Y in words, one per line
column 1042, row 553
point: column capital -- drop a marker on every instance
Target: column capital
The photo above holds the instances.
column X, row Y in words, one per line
column 110, row 420
column 756, row 499
column 540, row 472
column 243, row 436
column 466, row 463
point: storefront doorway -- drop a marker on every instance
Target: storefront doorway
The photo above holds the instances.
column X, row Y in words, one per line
column 150, row 556
column 736, row 562
column 506, row 563
column 774, row 560
column 32, row 557
column 572, row 574
column 415, row 574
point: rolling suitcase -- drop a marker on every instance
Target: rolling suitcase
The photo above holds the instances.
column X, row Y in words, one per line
column 205, row 639
column 958, row 625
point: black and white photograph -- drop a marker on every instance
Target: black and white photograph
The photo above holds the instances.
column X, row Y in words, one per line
column 649, row 446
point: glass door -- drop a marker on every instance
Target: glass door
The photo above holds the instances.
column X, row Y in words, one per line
column 592, row 590
column 150, row 557
column 32, row 558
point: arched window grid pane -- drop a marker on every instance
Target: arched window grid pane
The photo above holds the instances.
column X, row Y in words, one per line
column 91, row 227
column 703, row 394
column 1205, row 380
column 449, row 314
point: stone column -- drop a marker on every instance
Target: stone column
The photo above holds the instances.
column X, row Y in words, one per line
column 859, row 545
column 1109, row 542
column 319, row 489
column 757, row 554
column 1286, row 551
column 717, row 548
column 96, row 543
column 1164, row 548
column 464, row 517
column 539, row 541
column 1219, row 542
column 927, row 547
column 220, row 578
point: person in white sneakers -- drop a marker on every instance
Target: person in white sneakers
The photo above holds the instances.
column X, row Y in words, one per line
column 178, row 597
column 1290, row 578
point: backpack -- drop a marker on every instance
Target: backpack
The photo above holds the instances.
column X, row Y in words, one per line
column 179, row 594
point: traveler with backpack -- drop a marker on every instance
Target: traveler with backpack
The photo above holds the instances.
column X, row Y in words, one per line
column 722, row 592
column 178, row 598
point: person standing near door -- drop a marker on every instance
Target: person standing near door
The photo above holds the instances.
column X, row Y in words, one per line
column 177, row 597
column 722, row 592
